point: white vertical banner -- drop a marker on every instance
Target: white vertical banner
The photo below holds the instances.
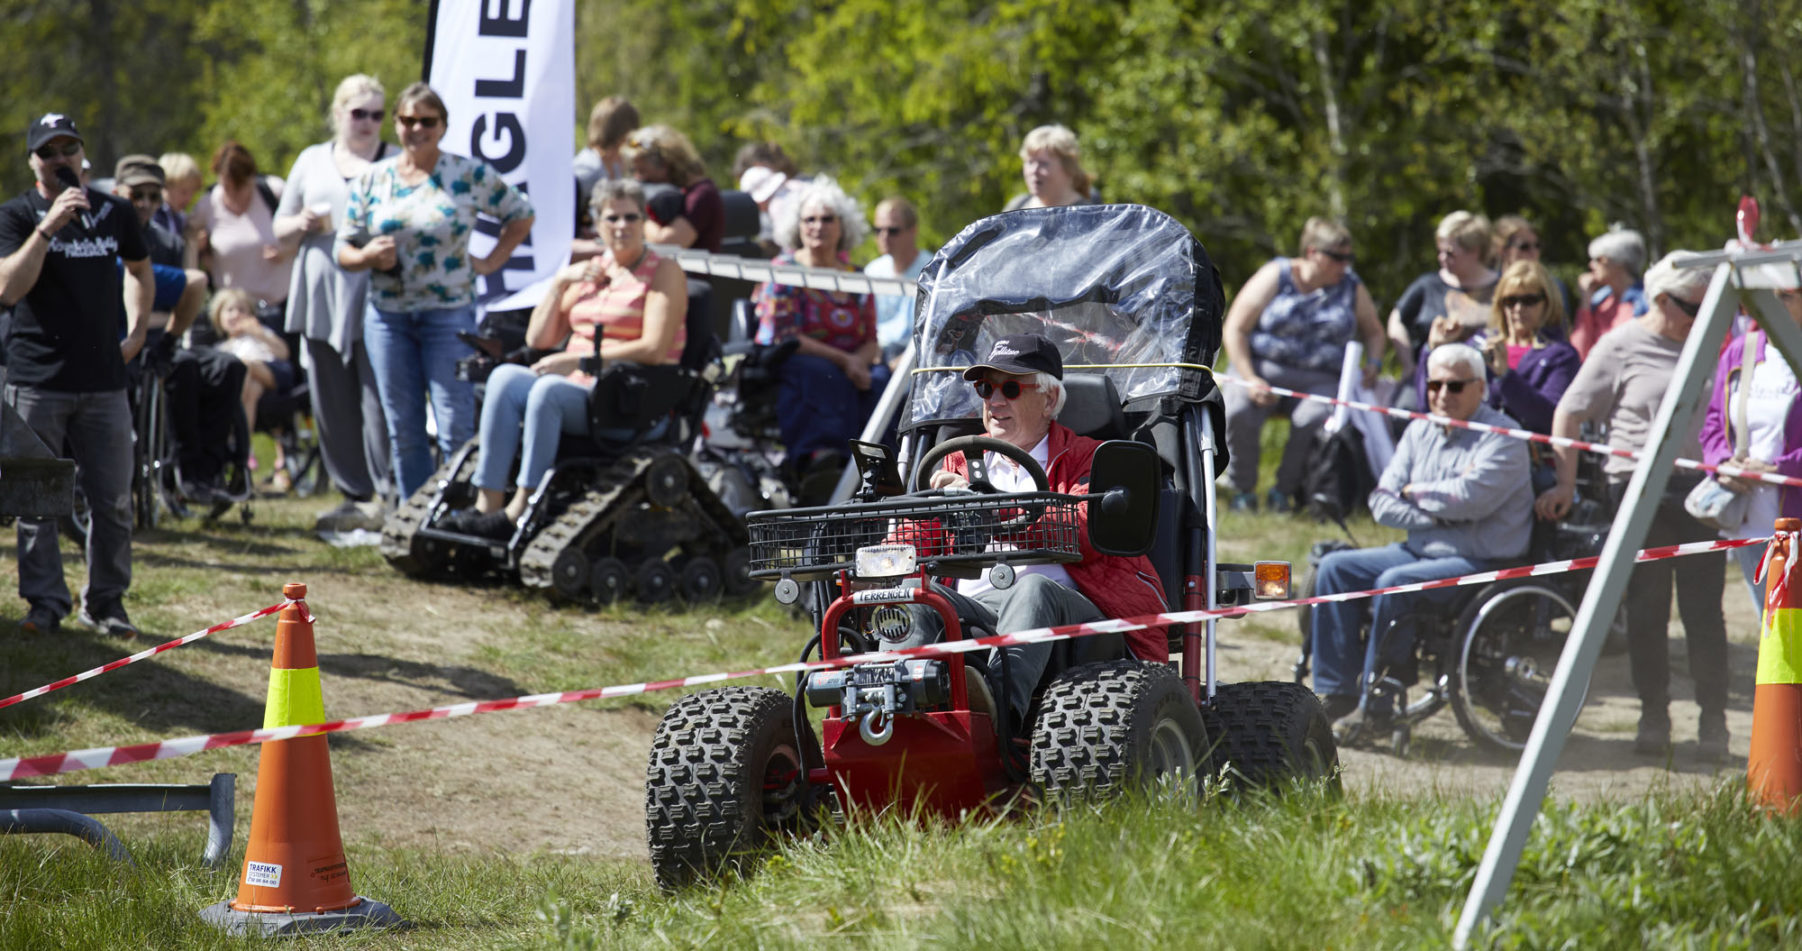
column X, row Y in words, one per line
column 506, row 70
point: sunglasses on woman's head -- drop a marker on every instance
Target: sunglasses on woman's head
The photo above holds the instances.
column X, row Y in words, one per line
column 1522, row 300
column 368, row 115
column 1690, row 307
column 1010, row 389
column 1454, row 387
column 424, row 122
column 628, row 218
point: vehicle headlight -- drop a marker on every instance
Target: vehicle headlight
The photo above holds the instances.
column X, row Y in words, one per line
column 885, row 561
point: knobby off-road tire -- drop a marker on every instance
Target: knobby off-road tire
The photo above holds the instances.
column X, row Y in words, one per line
column 1268, row 733
column 725, row 778
column 1106, row 727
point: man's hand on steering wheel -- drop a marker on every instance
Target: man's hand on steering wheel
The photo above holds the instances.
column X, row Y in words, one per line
column 946, row 479
column 972, row 448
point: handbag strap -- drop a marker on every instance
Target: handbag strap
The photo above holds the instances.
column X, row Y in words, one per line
column 1748, row 364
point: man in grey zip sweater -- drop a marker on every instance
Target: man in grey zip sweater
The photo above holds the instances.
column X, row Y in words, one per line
column 1466, row 500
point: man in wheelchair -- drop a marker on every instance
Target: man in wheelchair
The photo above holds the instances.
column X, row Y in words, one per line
column 1022, row 392
column 1466, row 501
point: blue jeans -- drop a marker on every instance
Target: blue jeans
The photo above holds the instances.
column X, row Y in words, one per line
column 817, row 408
column 1340, row 660
column 414, row 352
column 549, row 406
column 1748, row 558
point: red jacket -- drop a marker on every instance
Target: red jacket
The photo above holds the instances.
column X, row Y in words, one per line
column 1120, row 587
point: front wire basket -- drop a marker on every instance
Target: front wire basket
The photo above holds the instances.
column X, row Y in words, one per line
column 950, row 531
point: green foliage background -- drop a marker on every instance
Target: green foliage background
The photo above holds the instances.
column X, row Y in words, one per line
column 1240, row 119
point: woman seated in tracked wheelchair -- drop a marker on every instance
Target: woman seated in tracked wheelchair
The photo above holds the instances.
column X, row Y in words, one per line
column 589, row 440
column 1061, row 434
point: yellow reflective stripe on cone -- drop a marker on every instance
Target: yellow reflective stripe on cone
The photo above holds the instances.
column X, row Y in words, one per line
column 294, row 698
column 1780, row 649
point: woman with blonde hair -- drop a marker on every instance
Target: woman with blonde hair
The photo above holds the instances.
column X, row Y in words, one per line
column 694, row 218
column 1529, row 365
column 1289, row 326
column 326, row 305
column 1052, row 166
column 1453, row 299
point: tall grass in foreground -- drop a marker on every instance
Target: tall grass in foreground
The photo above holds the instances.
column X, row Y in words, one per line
column 1309, row 871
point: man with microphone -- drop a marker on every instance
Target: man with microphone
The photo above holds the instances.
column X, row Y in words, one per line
column 59, row 247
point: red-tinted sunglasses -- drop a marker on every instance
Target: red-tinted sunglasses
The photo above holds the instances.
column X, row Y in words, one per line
column 1009, row 388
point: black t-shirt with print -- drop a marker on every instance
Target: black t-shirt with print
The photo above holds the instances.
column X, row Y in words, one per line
column 1430, row 298
column 65, row 330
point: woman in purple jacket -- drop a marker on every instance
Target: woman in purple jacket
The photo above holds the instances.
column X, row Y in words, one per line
column 1773, row 434
column 1528, row 371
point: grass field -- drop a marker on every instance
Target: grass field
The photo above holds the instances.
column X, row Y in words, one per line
column 1667, row 869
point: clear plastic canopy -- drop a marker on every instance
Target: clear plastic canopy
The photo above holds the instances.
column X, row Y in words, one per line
column 1120, row 287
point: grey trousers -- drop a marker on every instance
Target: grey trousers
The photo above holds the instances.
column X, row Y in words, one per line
column 96, row 429
column 1033, row 602
column 1245, row 420
column 353, row 434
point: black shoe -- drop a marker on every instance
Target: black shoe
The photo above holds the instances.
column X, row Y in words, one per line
column 495, row 525
column 108, row 619
column 1338, row 705
column 41, row 620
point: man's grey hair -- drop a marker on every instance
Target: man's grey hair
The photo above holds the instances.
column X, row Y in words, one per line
column 1623, row 246
column 1448, row 356
column 1666, row 278
column 825, row 193
column 1053, row 388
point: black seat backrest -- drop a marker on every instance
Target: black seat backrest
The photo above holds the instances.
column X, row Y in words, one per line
column 1167, row 549
column 701, row 345
column 1092, row 407
column 743, row 219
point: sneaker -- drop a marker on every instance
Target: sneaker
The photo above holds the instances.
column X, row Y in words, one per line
column 1711, row 736
column 1278, row 501
column 351, row 515
column 108, row 619
column 1654, row 737
column 41, row 620
column 1244, row 502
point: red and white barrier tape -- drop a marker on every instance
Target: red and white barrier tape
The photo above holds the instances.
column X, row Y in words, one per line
column 1733, row 471
column 141, row 655
column 55, row 763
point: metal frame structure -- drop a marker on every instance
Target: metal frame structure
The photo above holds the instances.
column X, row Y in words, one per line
column 1569, row 684
column 66, row 809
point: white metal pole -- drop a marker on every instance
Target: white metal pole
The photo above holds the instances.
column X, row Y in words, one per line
column 1575, row 665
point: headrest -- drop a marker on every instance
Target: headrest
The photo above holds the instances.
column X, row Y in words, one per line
column 1092, row 407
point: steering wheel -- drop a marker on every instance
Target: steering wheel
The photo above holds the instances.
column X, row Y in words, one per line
column 978, row 469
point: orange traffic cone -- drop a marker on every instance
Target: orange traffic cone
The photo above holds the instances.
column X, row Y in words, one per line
column 295, row 878
column 1774, row 768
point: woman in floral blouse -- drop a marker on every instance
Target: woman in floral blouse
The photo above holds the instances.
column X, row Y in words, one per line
column 831, row 384
column 410, row 219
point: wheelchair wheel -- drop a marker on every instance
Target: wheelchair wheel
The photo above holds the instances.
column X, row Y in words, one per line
column 1511, row 637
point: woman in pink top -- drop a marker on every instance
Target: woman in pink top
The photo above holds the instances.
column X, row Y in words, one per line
column 235, row 221
column 634, row 299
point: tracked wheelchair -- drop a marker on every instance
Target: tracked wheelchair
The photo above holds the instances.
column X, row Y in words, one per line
column 610, row 518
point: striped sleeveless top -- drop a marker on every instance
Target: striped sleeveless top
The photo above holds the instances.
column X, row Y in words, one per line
column 617, row 308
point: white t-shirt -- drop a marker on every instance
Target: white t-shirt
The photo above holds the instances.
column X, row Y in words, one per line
column 238, row 242
column 1009, row 476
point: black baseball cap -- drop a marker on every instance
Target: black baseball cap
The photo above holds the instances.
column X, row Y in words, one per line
column 1020, row 353
column 48, row 126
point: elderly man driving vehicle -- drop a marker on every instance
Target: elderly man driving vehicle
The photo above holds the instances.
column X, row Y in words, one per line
column 1466, row 500
column 1022, row 391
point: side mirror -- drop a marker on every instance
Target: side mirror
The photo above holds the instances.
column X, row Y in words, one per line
column 1124, row 520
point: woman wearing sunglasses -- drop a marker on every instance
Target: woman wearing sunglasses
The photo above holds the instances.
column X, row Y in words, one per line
column 1517, row 240
column 1529, row 368
column 1623, row 382
column 1288, row 326
column 831, row 384
column 409, row 220
column 628, row 298
column 326, row 304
